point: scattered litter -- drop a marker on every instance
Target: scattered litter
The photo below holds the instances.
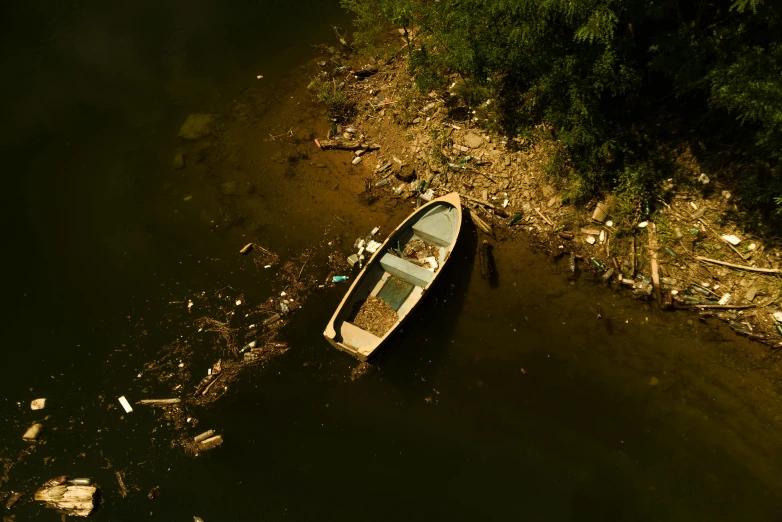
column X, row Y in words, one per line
column 33, row 432
column 590, row 240
column 724, row 299
column 703, row 178
column 13, row 498
column 357, row 160
column 210, row 443
column 74, row 500
column 777, row 316
column 125, row 404
column 609, row 223
column 600, row 213
column 38, row 404
column 203, row 436
column 730, row 238
column 339, row 279
column 246, row 249
column 428, row 195
column 432, row 263
column 752, row 246
column 352, row 259
column 238, row 302
column 602, row 236
column 643, row 224
column 374, row 231
column 372, row 246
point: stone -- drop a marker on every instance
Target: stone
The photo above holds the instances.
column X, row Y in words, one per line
column 179, row 161
column 555, row 201
column 548, row 191
column 197, row 126
column 472, row 140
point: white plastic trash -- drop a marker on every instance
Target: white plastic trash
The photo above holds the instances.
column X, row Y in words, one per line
column 372, row 246
column 590, row 240
column 724, row 299
column 643, row 224
column 730, row 238
column 125, row 404
column 38, row 404
column 432, row 263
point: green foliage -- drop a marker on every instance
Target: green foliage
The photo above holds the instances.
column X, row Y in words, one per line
column 614, row 79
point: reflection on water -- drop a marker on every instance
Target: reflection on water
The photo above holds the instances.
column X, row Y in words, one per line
column 498, row 399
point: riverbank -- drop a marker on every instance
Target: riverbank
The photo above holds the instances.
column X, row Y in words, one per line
column 686, row 250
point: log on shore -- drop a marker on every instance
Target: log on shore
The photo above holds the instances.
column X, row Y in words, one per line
column 77, row 501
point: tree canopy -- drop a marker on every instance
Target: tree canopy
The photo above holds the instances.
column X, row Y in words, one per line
column 614, row 79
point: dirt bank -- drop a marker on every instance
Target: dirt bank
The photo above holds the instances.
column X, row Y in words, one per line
column 685, row 250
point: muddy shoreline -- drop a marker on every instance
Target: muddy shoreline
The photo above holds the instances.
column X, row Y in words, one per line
column 684, row 251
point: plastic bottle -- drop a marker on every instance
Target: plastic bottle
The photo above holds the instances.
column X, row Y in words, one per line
column 515, row 219
column 339, row 279
column 247, row 347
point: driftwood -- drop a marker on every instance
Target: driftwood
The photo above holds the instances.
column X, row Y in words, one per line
column 70, row 500
column 246, row 248
column 205, row 435
column 123, row 491
column 158, row 401
column 739, row 267
column 481, row 224
column 347, row 145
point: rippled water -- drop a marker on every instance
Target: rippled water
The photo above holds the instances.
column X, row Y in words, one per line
column 494, row 402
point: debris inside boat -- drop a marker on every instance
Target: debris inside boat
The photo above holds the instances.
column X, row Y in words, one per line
column 375, row 315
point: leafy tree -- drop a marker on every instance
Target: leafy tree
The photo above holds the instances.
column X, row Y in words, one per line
column 615, row 79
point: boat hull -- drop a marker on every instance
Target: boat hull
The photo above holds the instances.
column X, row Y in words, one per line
column 365, row 345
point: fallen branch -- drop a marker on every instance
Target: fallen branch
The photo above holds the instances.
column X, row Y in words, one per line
column 476, row 200
column 724, row 307
column 546, row 219
column 739, row 267
column 347, row 145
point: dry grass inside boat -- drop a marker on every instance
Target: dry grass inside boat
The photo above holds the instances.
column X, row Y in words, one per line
column 375, row 316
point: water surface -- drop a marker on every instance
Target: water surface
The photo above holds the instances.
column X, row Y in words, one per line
column 494, row 402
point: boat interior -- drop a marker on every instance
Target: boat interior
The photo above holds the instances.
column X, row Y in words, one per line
column 396, row 279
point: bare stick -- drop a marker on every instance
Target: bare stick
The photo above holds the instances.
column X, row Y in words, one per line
column 739, row 267
column 541, row 214
column 158, row 401
column 653, row 253
column 725, row 307
column 476, row 200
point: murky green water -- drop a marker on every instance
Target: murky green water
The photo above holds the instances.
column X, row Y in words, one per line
column 637, row 416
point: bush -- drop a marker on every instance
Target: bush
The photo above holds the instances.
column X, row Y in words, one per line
column 615, row 79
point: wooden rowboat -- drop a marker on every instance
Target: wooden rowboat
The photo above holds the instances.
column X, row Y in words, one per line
column 396, row 278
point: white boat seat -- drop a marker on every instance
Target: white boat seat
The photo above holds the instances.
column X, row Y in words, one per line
column 436, row 228
column 357, row 338
column 406, row 270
